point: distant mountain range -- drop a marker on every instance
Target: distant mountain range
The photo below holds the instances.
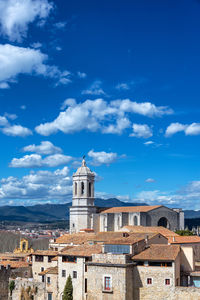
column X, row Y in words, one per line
column 51, row 212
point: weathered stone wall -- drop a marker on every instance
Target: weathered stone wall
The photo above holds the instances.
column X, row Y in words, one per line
column 36, row 266
column 78, row 283
column 172, row 217
column 24, row 284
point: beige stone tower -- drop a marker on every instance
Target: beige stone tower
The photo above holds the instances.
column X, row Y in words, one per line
column 82, row 209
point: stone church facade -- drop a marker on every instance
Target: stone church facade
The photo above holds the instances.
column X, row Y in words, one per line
column 84, row 215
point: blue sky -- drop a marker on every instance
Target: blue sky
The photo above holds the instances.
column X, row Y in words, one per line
column 117, row 81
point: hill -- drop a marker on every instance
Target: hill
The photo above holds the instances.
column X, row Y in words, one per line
column 50, row 212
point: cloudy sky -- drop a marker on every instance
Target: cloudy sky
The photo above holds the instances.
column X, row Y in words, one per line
column 117, row 81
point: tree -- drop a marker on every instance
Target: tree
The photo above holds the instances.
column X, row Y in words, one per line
column 184, row 232
column 11, row 286
column 68, row 290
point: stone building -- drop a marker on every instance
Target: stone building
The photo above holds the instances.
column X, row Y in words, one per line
column 84, row 215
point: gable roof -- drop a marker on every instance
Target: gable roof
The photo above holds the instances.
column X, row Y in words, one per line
column 85, row 250
column 75, row 238
column 127, row 209
column 45, row 252
column 149, row 229
column 158, row 253
column 184, row 239
column 52, row 270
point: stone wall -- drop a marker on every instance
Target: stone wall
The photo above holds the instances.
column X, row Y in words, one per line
column 172, row 217
column 36, row 266
column 23, row 285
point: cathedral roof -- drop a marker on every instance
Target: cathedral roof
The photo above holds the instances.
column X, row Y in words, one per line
column 130, row 209
column 84, row 170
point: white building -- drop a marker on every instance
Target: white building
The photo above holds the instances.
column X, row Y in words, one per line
column 84, row 215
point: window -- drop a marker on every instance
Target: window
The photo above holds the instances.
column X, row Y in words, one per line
column 82, row 188
column 135, row 222
column 39, row 258
column 74, row 274
column 50, row 296
column 69, row 259
column 86, row 267
column 63, row 273
column 42, row 269
column 90, row 189
column 85, row 285
column 167, row 281
column 149, row 280
column 42, row 278
column 48, row 279
column 75, row 188
column 49, row 258
column 107, row 283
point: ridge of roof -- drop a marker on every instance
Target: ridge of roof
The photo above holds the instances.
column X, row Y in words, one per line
column 158, row 252
column 121, row 209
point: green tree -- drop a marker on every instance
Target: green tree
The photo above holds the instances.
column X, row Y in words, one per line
column 68, row 290
column 11, row 286
column 184, row 232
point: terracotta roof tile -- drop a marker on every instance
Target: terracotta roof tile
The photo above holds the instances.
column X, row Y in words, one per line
column 149, row 229
column 15, row 264
column 158, row 253
column 82, row 250
column 52, row 270
column 45, row 252
column 130, row 209
column 184, row 239
column 76, row 238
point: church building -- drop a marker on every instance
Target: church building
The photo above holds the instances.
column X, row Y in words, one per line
column 84, row 215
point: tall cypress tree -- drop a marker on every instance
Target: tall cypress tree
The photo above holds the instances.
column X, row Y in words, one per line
column 68, row 290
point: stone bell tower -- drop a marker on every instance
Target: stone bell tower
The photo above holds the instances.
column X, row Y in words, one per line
column 82, row 209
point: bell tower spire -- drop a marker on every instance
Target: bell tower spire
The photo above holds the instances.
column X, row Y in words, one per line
column 83, row 199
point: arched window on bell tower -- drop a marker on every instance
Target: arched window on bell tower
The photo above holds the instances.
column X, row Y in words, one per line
column 75, row 188
column 82, row 188
column 90, row 189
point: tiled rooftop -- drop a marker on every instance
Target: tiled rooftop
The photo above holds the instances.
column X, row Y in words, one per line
column 14, row 264
column 130, row 209
column 149, row 229
column 82, row 250
column 46, row 252
column 76, row 238
column 52, row 270
column 158, row 253
column 184, row 239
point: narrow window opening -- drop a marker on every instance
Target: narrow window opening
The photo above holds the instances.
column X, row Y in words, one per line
column 90, row 189
column 85, row 285
column 75, row 188
column 82, row 188
column 149, row 280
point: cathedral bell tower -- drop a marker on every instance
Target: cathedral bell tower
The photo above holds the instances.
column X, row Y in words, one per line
column 82, row 209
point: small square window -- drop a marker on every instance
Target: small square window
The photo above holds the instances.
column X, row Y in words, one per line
column 149, row 280
column 74, row 274
column 48, row 279
column 167, row 281
column 63, row 273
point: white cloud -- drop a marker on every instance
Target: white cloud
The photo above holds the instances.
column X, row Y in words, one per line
column 18, row 60
column 37, row 186
column 36, row 160
column 141, row 131
column 119, row 127
column 3, row 121
column 36, row 45
column 10, row 116
column 16, row 130
column 81, row 74
column 60, row 25
column 150, row 180
column 95, row 89
column 16, row 15
column 192, row 129
column 93, row 115
column 148, row 143
column 123, row 86
column 45, row 148
column 102, row 157
column 4, row 85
